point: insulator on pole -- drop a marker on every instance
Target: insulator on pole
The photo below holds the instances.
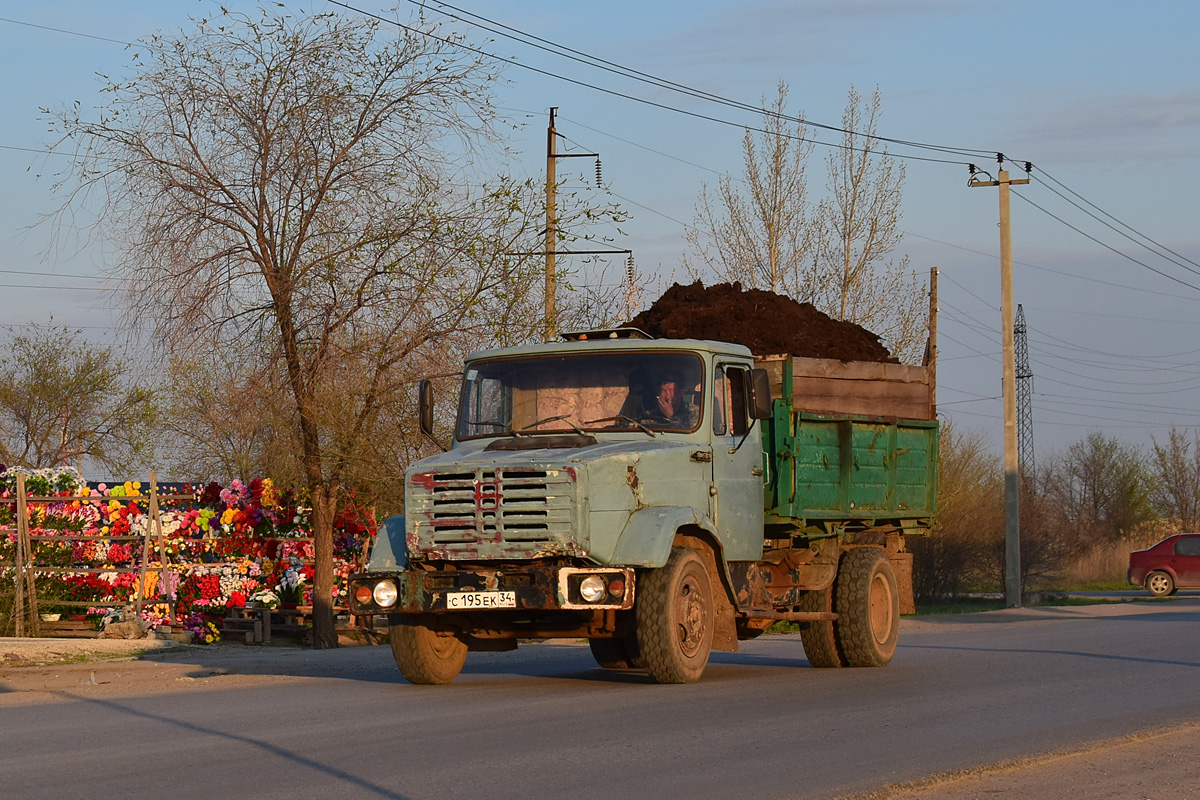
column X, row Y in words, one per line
column 598, row 182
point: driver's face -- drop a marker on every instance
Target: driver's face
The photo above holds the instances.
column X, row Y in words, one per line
column 666, row 394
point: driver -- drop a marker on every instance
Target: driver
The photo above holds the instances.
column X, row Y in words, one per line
column 666, row 407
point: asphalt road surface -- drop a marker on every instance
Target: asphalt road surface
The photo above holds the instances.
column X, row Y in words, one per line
column 545, row 722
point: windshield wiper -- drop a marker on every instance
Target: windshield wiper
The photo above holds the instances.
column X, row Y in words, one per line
column 495, row 423
column 624, row 418
column 563, row 417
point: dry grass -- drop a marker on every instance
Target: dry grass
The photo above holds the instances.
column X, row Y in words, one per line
column 1107, row 562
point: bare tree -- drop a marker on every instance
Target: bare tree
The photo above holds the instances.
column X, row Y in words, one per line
column 227, row 418
column 299, row 184
column 858, row 229
column 1176, row 471
column 64, row 399
column 756, row 229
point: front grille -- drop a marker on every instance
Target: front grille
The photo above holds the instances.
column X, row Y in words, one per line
column 492, row 505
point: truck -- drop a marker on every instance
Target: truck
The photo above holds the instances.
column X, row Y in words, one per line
column 570, row 505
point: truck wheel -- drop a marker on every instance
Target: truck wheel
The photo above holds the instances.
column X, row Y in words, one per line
column 868, row 606
column 424, row 655
column 675, row 618
column 620, row 652
column 819, row 638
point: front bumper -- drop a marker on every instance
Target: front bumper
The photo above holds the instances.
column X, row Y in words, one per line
column 526, row 588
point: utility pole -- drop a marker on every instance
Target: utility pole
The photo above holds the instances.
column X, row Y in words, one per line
column 551, row 249
column 1012, row 502
column 930, row 359
column 551, row 228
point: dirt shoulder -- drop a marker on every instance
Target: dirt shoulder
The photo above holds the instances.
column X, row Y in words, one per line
column 1152, row 765
column 34, row 671
column 40, row 651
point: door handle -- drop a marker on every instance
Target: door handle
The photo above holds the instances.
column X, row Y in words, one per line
column 756, row 472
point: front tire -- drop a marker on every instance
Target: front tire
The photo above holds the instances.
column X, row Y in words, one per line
column 1160, row 584
column 424, row 655
column 868, row 606
column 675, row 618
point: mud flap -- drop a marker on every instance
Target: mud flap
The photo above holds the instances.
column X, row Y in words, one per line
column 902, row 565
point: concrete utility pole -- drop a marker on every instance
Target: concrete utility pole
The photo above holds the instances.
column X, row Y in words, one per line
column 551, row 249
column 1012, row 503
column 551, row 228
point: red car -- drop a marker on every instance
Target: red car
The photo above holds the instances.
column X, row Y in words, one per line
column 1173, row 563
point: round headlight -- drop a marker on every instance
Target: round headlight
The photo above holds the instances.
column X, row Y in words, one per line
column 385, row 593
column 592, row 589
column 362, row 594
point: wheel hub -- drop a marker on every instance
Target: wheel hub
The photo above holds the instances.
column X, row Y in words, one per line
column 689, row 613
column 881, row 608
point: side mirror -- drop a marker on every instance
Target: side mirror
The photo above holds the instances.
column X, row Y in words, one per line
column 425, row 407
column 760, row 395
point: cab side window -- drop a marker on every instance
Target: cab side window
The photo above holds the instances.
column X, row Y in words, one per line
column 739, row 385
column 720, row 402
column 729, row 400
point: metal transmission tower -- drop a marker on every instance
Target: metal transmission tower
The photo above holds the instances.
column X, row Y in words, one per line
column 1024, row 381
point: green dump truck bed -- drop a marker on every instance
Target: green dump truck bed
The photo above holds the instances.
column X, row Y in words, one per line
column 850, row 441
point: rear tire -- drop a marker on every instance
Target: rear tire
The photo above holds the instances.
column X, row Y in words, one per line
column 424, row 655
column 1160, row 584
column 819, row 637
column 868, row 606
column 675, row 618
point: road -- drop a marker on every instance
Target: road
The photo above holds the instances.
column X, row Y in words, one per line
column 544, row 722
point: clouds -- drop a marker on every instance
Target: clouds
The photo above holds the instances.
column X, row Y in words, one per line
column 792, row 35
column 1161, row 126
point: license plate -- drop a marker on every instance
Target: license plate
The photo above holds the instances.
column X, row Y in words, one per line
column 457, row 600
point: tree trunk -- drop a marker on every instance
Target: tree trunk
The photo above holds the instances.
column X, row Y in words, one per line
column 324, row 504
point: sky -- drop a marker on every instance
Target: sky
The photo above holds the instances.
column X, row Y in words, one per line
column 1103, row 97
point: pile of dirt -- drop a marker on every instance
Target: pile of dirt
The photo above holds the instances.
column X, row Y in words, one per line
column 765, row 322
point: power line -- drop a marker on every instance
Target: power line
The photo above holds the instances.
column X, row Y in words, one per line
column 563, row 51
column 1120, row 232
column 1106, row 246
column 69, row 33
column 549, row 46
column 1114, row 219
column 623, row 95
column 579, row 56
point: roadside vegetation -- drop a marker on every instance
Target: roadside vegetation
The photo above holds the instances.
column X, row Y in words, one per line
column 1083, row 511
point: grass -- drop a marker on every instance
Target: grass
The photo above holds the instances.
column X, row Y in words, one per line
column 962, row 605
column 1098, row 586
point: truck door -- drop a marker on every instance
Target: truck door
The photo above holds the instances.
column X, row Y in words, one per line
column 737, row 470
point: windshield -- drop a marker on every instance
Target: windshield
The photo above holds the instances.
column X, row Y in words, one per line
column 582, row 393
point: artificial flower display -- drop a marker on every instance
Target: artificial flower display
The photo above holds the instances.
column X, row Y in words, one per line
column 245, row 543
